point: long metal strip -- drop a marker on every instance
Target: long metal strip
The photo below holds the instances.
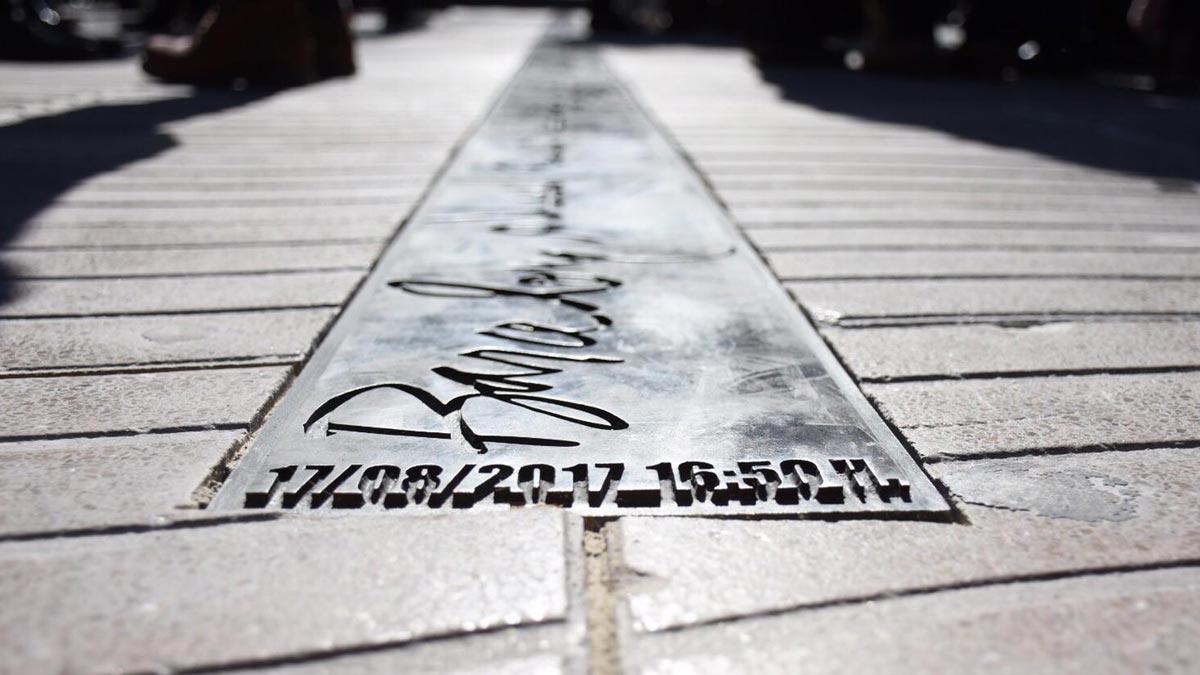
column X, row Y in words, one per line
column 571, row 320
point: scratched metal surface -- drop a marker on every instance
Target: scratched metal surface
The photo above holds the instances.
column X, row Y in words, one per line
column 570, row 319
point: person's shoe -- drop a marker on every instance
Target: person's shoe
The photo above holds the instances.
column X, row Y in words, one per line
column 266, row 42
column 333, row 47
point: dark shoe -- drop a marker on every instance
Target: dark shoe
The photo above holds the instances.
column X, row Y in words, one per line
column 266, row 42
column 334, row 48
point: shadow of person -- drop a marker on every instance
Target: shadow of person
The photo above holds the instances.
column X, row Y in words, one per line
column 44, row 157
column 1075, row 121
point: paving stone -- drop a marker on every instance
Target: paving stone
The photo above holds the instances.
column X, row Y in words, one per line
column 836, row 300
column 931, row 264
column 749, row 189
column 1135, row 209
column 240, row 592
column 894, row 238
column 980, row 198
column 55, row 216
column 147, row 296
column 52, row 144
column 150, row 235
column 974, row 417
column 202, row 195
column 897, row 150
column 531, row 650
column 122, row 182
column 96, row 404
column 52, row 486
column 930, row 351
column 1028, row 516
column 945, row 163
column 868, row 168
column 403, row 197
column 924, row 213
column 166, row 261
column 41, row 344
column 1121, row 623
column 152, row 170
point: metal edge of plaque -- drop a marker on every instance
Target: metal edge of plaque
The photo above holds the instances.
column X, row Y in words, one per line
column 629, row 459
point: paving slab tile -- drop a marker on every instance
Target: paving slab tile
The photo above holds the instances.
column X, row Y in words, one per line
column 924, row 213
column 914, row 150
column 41, row 344
column 1027, row 517
column 1121, row 623
column 167, row 261
column 932, row 351
column 128, row 403
column 248, row 591
column 149, row 296
column 746, row 189
column 88, row 483
column 791, row 265
column 980, row 198
column 988, row 417
column 282, row 153
column 867, row 168
column 152, row 235
column 54, row 216
column 897, row 238
column 530, row 650
column 301, row 171
column 832, row 301
column 203, row 195
column 127, row 182
column 178, row 200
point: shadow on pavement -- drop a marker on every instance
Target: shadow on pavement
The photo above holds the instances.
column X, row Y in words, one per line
column 1074, row 121
column 44, row 157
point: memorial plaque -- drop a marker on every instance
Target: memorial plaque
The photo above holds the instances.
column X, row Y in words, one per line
column 571, row 320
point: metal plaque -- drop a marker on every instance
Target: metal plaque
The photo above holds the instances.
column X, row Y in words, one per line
column 570, row 319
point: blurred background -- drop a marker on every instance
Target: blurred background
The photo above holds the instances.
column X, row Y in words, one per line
column 1141, row 44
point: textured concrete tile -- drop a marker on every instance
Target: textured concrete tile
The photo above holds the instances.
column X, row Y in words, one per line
column 200, row 198
column 914, row 150
column 238, row 592
column 71, row 484
column 151, row 183
column 183, row 261
column 530, row 650
column 923, row 213
column 749, row 189
column 146, row 296
column 1122, row 623
column 1028, row 516
column 832, row 300
column 133, row 340
column 152, row 235
column 880, row 353
column 744, row 170
column 947, row 237
column 843, row 264
column 131, row 402
column 397, row 170
column 55, row 216
column 972, row 417
column 276, row 154
column 980, row 198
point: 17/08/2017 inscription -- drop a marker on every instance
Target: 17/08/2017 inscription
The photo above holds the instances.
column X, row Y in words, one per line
column 596, row 486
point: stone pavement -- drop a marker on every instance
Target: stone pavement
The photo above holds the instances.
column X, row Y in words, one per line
column 1023, row 315
column 1017, row 293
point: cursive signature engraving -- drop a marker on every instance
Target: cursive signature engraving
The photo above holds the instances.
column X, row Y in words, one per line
column 514, row 374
